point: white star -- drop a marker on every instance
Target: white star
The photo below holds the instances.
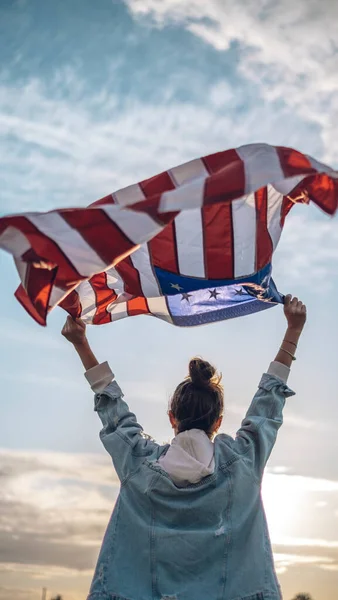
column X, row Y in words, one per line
column 176, row 286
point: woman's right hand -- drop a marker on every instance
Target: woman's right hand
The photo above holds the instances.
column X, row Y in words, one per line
column 295, row 313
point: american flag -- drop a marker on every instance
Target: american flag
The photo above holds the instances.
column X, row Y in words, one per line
column 191, row 245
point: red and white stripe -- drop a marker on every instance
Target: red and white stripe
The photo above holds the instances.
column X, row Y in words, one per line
column 129, row 195
column 218, row 217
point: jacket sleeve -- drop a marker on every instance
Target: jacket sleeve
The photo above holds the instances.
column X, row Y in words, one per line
column 121, row 435
column 258, row 432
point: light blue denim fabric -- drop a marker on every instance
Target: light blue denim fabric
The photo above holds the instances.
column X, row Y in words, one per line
column 207, row 541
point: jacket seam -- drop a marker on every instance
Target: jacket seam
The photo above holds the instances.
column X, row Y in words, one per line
column 228, row 463
column 125, row 438
column 164, row 473
column 228, row 539
column 152, row 538
column 256, row 431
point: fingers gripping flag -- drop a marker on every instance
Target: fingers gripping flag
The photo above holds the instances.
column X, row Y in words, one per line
column 191, row 245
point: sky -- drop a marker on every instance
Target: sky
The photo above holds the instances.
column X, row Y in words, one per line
column 98, row 95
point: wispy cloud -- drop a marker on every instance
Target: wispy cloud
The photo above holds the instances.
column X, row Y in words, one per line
column 48, row 160
column 291, row 419
column 288, row 48
column 292, row 504
column 9, row 592
column 309, row 250
column 54, row 507
column 44, row 134
column 284, row 561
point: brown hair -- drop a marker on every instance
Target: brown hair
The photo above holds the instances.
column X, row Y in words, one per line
column 198, row 400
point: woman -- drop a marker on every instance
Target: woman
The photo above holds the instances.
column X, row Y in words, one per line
column 189, row 522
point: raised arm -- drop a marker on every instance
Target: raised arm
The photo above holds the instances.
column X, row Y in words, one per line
column 257, row 434
column 295, row 313
column 122, row 436
column 74, row 330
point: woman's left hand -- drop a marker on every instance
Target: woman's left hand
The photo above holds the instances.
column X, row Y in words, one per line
column 74, row 330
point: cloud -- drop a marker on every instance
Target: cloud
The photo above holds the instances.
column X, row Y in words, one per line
column 54, row 507
column 309, row 250
column 50, row 571
column 69, row 143
column 59, row 152
column 283, row 562
column 328, row 567
column 49, row 164
column 286, row 47
column 291, row 503
column 63, row 501
column 291, row 419
column 10, row 593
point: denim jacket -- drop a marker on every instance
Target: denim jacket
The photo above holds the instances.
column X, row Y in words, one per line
column 207, row 540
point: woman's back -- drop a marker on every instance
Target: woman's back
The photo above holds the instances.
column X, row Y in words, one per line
column 205, row 540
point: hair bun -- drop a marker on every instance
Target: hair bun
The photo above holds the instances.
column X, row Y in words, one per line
column 201, row 372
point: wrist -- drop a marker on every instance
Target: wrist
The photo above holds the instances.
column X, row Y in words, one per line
column 80, row 345
column 294, row 330
column 85, row 353
column 292, row 335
